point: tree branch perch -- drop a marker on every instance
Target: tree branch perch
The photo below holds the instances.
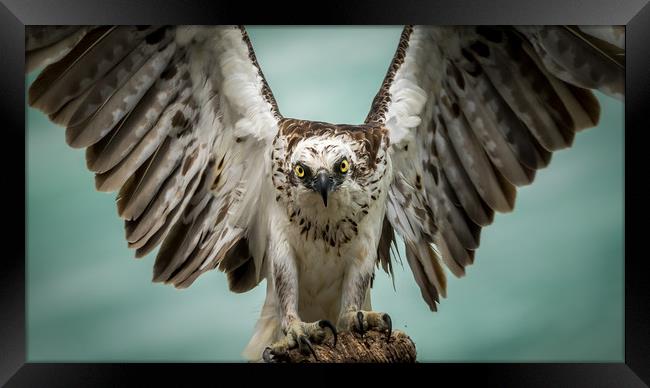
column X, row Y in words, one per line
column 352, row 347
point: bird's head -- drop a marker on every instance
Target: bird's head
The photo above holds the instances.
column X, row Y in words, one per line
column 329, row 171
column 320, row 167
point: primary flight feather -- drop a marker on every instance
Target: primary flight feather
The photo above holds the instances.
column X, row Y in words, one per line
column 182, row 124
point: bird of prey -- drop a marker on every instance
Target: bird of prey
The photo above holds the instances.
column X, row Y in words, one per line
column 180, row 121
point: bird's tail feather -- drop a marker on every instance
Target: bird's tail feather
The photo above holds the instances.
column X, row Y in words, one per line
column 267, row 331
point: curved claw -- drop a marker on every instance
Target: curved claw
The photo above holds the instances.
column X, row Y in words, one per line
column 389, row 323
column 304, row 342
column 327, row 324
column 266, row 356
column 360, row 322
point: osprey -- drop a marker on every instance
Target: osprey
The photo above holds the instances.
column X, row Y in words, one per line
column 182, row 124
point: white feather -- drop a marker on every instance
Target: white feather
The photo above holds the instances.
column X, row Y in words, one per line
column 409, row 90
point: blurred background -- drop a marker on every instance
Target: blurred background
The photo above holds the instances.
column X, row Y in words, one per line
column 547, row 284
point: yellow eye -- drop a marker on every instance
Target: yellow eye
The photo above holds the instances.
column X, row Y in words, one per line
column 345, row 166
column 300, row 172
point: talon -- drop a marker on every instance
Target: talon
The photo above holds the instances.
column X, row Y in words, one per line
column 389, row 323
column 266, row 356
column 360, row 322
column 302, row 340
column 327, row 324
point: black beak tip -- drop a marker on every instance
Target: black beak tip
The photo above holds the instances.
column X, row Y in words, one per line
column 323, row 186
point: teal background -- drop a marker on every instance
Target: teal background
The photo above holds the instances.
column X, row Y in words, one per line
column 547, row 284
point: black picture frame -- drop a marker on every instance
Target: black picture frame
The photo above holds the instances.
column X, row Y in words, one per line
column 15, row 14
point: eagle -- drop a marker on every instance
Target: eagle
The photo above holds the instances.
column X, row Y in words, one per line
column 181, row 123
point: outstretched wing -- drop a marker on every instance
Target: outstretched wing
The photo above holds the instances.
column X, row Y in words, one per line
column 177, row 120
column 473, row 113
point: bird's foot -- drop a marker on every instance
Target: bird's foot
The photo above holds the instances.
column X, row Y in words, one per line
column 361, row 321
column 301, row 335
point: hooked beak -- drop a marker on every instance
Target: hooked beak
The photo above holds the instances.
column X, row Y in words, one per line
column 323, row 185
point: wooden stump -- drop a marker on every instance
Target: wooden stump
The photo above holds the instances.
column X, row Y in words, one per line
column 352, row 347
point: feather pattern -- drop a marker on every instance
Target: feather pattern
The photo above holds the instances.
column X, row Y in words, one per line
column 571, row 57
column 113, row 148
column 169, row 117
column 88, row 126
column 38, row 37
column 40, row 54
column 90, row 59
column 473, row 112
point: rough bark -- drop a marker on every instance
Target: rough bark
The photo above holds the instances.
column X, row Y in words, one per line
column 352, row 347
